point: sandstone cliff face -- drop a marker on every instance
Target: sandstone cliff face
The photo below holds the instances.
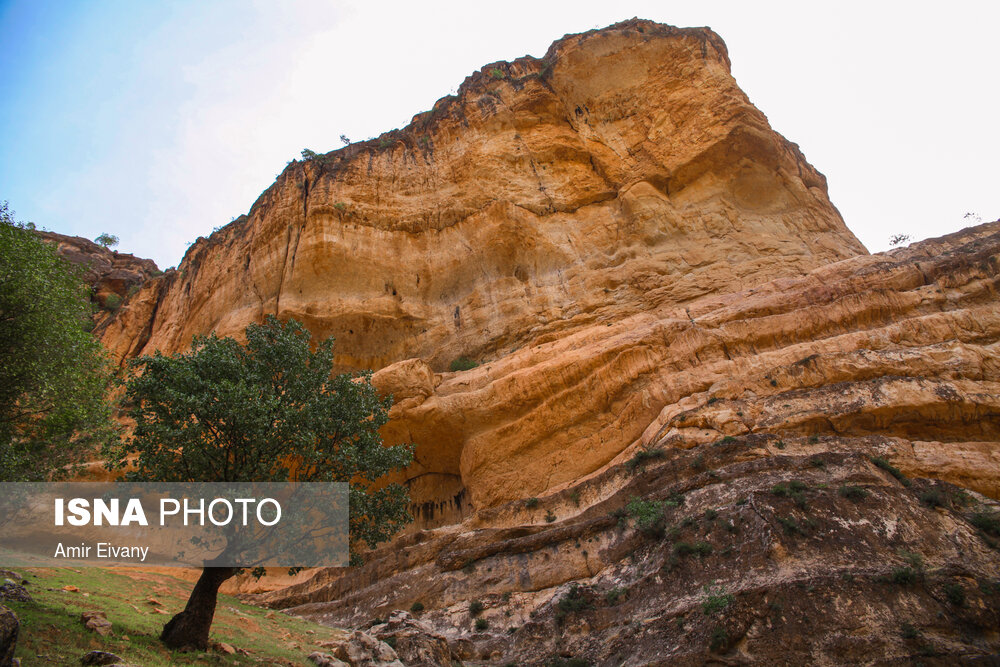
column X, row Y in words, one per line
column 666, row 307
column 623, row 170
column 623, row 173
column 812, row 480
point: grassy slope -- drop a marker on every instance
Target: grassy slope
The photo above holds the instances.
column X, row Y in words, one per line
column 52, row 633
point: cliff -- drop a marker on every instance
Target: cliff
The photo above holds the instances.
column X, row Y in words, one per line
column 813, row 480
column 705, row 424
column 550, row 203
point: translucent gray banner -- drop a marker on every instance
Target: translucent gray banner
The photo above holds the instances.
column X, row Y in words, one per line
column 58, row 524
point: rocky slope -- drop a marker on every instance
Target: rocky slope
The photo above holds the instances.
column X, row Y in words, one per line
column 776, row 519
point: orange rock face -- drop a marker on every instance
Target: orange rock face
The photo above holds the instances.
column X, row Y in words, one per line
column 107, row 272
column 531, row 222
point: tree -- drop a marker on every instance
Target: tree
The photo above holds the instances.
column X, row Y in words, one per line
column 107, row 240
column 54, row 376
column 269, row 411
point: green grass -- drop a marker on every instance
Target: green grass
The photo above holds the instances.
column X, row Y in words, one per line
column 51, row 627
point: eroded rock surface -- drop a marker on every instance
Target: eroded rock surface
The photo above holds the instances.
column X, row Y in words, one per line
column 812, row 465
column 109, row 273
column 549, row 207
column 748, row 550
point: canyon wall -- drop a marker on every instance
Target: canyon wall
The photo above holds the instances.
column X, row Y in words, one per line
column 551, row 203
column 706, row 426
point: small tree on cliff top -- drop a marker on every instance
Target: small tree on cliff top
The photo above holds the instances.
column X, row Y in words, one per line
column 256, row 413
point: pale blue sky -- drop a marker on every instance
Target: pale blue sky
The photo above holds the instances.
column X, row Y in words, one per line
column 159, row 121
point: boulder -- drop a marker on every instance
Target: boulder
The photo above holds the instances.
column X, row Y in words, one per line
column 9, row 626
column 325, row 660
column 414, row 642
column 11, row 592
column 100, row 658
column 363, row 650
column 96, row 621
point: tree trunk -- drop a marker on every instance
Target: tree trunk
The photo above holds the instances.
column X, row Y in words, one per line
column 189, row 629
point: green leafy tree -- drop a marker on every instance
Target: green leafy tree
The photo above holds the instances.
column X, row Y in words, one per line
column 107, row 240
column 54, row 376
column 269, row 411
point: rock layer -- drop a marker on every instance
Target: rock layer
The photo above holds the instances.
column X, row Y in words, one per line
column 764, row 511
column 551, row 206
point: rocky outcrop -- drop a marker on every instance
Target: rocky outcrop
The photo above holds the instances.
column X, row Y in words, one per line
column 748, row 550
column 111, row 275
column 818, row 455
column 9, row 627
column 549, row 204
column 705, row 424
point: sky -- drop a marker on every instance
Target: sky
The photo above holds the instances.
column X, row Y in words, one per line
column 159, row 121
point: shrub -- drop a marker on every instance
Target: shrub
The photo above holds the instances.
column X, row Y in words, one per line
column 962, row 498
column 780, row 444
column 794, row 490
column 417, row 607
column 955, row 594
column 531, row 503
column 715, row 601
column 904, row 576
column 791, row 526
column 988, row 523
column 496, row 74
column 572, row 602
column 550, row 516
column 891, row 469
column 813, row 439
column 699, row 462
column 913, row 559
column 710, row 515
column 574, row 495
column 683, row 549
column 648, row 515
column 932, row 498
column 644, row 455
column 112, row 303
column 854, row 493
column 482, row 624
column 462, row 364
column 476, row 608
column 907, row 631
column 615, row 594
column 818, row 463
